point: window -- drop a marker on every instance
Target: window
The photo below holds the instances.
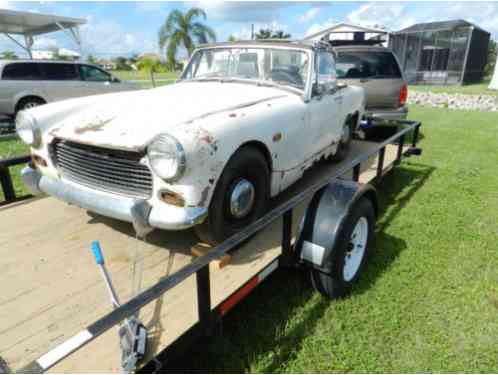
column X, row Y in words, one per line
column 92, row 74
column 367, row 64
column 326, row 67
column 21, row 71
column 59, row 72
column 285, row 67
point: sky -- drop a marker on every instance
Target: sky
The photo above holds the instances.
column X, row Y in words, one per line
column 124, row 28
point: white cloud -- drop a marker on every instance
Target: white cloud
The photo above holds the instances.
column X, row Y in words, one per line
column 396, row 16
column 5, row 4
column 44, row 43
column 243, row 11
column 309, row 15
column 107, row 38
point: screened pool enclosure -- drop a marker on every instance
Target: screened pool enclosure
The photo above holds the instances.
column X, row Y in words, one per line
column 450, row 52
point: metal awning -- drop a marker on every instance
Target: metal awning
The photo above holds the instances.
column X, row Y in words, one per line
column 29, row 25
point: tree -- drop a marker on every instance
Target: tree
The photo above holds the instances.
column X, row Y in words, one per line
column 8, row 55
column 491, row 60
column 91, row 59
column 182, row 29
column 150, row 65
column 263, row 34
column 269, row 34
column 232, row 38
column 279, row 34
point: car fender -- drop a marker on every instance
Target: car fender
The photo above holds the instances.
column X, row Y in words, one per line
column 35, row 91
column 324, row 218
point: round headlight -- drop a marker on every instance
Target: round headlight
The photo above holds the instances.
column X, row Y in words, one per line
column 27, row 129
column 167, row 157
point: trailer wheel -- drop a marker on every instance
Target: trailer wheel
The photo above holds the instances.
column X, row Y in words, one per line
column 240, row 197
column 349, row 254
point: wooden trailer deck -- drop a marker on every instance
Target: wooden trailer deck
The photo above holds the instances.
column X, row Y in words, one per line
column 50, row 287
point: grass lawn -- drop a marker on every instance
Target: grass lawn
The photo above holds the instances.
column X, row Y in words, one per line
column 8, row 149
column 474, row 89
column 141, row 75
column 428, row 299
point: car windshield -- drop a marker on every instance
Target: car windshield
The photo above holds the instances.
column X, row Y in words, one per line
column 285, row 67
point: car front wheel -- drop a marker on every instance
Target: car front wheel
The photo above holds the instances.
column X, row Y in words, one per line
column 240, row 197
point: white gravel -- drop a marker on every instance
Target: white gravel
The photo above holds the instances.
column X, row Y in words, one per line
column 483, row 103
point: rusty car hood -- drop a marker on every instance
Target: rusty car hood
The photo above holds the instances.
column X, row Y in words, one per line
column 129, row 120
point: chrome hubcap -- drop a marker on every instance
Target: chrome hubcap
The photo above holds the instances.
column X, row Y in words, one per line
column 242, row 198
column 356, row 249
column 31, row 105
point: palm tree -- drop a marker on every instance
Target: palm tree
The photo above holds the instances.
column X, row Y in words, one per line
column 279, row 34
column 150, row 65
column 263, row 34
column 182, row 29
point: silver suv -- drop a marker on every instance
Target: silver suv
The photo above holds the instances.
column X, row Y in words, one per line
column 377, row 70
column 29, row 83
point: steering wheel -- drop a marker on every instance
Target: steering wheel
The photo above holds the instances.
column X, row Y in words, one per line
column 286, row 76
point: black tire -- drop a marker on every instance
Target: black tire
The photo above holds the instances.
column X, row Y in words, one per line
column 344, row 143
column 29, row 102
column 248, row 163
column 333, row 285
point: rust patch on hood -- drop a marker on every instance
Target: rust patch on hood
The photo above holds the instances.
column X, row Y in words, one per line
column 93, row 126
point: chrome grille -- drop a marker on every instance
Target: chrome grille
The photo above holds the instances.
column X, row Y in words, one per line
column 113, row 171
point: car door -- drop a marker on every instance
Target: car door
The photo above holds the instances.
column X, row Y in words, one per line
column 98, row 81
column 61, row 81
column 325, row 107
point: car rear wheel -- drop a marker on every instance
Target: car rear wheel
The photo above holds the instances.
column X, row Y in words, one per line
column 240, row 197
column 344, row 141
column 28, row 103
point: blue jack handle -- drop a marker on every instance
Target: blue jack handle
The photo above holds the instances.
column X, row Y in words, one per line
column 97, row 253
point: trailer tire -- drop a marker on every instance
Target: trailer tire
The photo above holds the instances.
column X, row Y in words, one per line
column 248, row 169
column 349, row 253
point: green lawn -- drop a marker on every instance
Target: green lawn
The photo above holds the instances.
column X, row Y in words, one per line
column 8, row 149
column 474, row 89
column 141, row 75
column 428, row 301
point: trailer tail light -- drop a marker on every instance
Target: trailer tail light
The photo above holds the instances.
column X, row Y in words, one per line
column 403, row 95
column 247, row 288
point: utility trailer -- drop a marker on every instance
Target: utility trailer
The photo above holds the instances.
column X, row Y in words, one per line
column 55, row 313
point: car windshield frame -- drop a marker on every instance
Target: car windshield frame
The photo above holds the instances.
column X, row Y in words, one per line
column 260, row 81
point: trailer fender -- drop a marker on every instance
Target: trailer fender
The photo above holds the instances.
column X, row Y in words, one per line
column 324, row 218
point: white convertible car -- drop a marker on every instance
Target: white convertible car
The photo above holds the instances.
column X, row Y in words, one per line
column 244, row 122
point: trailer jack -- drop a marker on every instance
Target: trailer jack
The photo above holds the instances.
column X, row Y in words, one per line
column 132, row 334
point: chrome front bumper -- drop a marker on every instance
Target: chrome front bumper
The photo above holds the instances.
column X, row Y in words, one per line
column 139, row 212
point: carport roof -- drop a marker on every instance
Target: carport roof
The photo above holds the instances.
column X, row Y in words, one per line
column 25, row 23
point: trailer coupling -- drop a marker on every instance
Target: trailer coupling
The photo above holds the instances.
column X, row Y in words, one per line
column 132, row 334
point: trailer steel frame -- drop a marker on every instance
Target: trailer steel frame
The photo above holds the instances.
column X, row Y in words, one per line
column 208, row 318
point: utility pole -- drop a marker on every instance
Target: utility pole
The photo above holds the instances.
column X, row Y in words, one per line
column 252, row 31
